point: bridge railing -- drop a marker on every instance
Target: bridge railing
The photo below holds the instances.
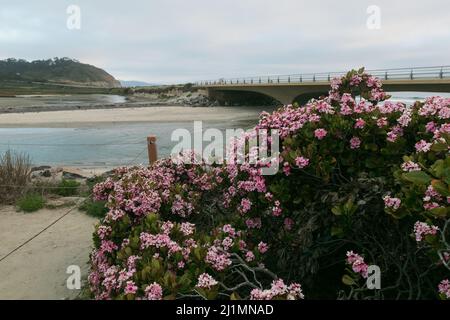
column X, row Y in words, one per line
column 415, row 73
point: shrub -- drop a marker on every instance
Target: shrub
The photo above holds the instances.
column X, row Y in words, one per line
column 31, row 202
column 67, row 188
column 339, row 169
column 171, row 260
column 15, row 172
column 94, row 208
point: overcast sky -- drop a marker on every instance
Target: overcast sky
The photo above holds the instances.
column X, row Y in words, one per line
column 187, row 40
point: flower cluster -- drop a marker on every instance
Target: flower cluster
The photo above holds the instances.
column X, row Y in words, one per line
column 278, row 290
column 206, row 281
column 422, row 229
column 391, row 202
column 409, row 166
column 444, row 289
column 357, row 263
column 139, row 191
column 153, row 292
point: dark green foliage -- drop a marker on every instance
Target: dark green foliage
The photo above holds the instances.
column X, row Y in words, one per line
column 67, row 188
column 93, row 208
column 31, row 202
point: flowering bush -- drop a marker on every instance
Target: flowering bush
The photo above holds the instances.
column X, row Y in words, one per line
column 346, row 160
column 424, row 192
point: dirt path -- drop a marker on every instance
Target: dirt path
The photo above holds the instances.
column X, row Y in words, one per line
column 38, row 269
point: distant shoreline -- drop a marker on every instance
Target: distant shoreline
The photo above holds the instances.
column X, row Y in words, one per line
column 65, row 107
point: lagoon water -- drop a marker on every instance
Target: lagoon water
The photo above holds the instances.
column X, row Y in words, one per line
column 103, row 146
column 116, row 144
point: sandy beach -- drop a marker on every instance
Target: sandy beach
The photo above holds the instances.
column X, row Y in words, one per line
column 96, row 117
column 38, row 269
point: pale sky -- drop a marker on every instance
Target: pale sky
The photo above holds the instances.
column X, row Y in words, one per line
column 175, row 41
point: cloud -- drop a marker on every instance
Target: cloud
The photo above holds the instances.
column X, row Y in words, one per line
column 178, row 40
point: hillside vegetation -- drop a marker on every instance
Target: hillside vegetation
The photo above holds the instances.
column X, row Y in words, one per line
column 63, row 71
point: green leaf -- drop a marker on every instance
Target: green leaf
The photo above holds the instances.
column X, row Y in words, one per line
column 417, row 177
column 336, row 211
column 235, row 296
column 440, row 187
column 437, row 147
column 347, row 280
column 440, row 212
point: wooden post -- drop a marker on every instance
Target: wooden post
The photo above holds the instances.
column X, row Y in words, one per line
column 152, row 150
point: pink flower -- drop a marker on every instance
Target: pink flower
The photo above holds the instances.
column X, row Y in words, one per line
column 301, row 162
column 253, row 223
column 242, row 245
column 108, row 246
column 245, row 206
column 320, row 133
column 392, row 203
column 360, row 123
column 410, row 166
column 357, row 263
column 187, row 228
column 423, row 146
column 153, row 292
column 295, row 292
column 422, row 229
column 229, row 229
column 335, row 83
column 249, row 256
column 431, row 126
column 355, row 143
column 276, row 210
column 166, row 227
column 131, row 262
column 286, row 168
column 392, row 136
column 130, row 288
column 206, row 281
column 444, row 288
column 263, row 247
column 324, row 107
column 227, row 243
column 218, row 258
column 278, row 289
column 373, row 82
column 103, row 232
column 382, row 122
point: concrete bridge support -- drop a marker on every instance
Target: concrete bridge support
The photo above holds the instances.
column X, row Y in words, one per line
column 284, row 95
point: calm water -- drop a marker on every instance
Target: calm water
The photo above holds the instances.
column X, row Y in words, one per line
column 113, row 145
column 107, row 145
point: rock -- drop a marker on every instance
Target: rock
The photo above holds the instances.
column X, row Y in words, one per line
column 46, row 173
column 73, row 173
column 40, row 168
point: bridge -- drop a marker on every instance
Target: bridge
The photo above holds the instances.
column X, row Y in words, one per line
column 287, row 89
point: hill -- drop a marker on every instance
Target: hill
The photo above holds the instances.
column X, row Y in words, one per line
column 56, row 71
column 135, row 83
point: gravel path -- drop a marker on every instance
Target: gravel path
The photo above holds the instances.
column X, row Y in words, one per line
column 38, row 269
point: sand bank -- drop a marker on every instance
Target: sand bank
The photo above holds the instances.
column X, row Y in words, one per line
column 38, row 269
column 96, row 117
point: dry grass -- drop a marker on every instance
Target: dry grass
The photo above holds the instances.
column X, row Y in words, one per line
column 15, row 174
